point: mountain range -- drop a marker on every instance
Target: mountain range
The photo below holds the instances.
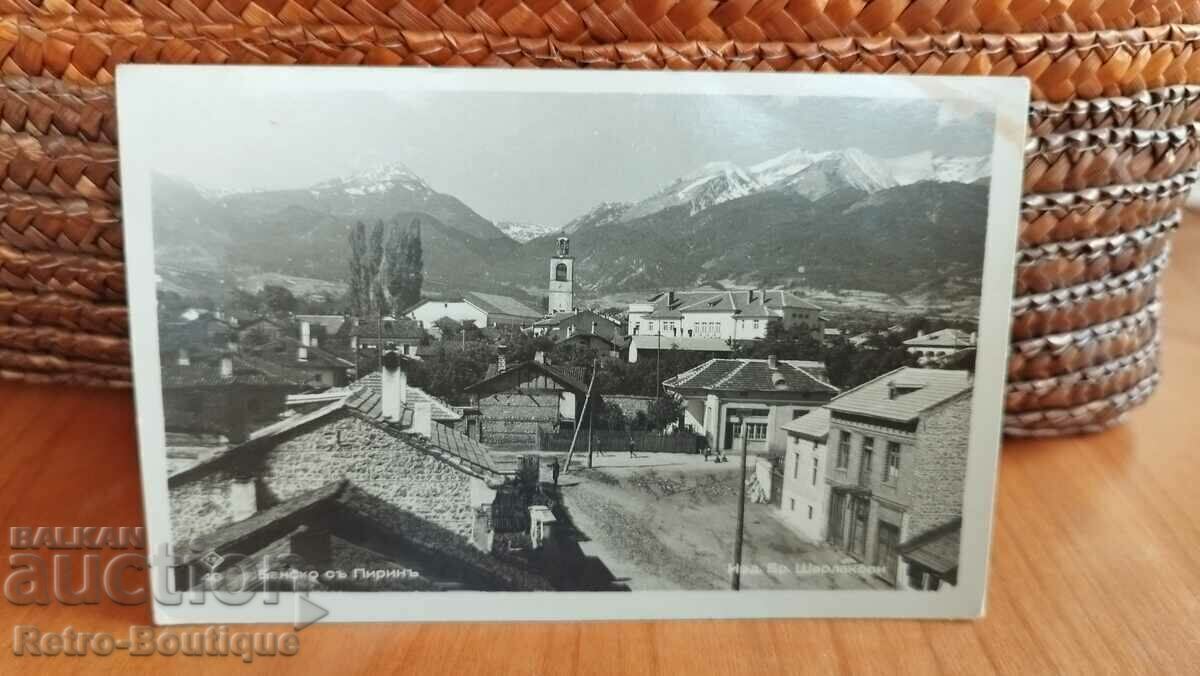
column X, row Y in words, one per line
column 841, row 219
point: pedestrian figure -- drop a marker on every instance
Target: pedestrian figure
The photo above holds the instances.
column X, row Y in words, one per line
column 632, row 448
column 555, row 468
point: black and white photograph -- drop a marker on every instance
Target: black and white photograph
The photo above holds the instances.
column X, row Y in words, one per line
column 407, row 333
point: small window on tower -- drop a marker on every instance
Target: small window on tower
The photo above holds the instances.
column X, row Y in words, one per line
column 560, row 272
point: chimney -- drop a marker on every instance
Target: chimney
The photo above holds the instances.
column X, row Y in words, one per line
column 243, row 498
column 226, row 367
column 891, row 389
column 670, row 298
column 772, row 362
column 302, row 353
column 539, row 357
column 394, row 385
column 311, row 545
column 182, row 359
column 920, row 332
column 974, row 337
column 749, row 296
column 423, row 419
column 501, row 363
column 305, row 334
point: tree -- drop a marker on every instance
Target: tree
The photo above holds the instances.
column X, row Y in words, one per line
column 414, row 266
column 664, row 412
column 360, row 274
column 278, row 299
column 448, row 328
column 395, row 268
column 377, row 295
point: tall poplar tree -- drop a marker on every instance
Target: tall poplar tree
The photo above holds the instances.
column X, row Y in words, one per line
column 360, row 277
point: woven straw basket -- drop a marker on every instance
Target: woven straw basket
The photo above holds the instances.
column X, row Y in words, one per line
column 1111, row 157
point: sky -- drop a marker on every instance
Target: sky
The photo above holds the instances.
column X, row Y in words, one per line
column 541, row 159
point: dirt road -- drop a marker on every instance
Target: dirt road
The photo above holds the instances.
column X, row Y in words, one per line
column 673, row 527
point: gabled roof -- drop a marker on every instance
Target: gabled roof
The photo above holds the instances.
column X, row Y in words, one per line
column 690, row 344
column 441, row 410
column 941, row 338
column 246, row 371
column 748, row 303
column 331, row 323
column 497, row 304
column 935, row 549
column 813, row 425
column 391, row 328
column 916, row 390
column 285, row 351
column 560, row 317
column 754, row 375
column 455, row 449
column 570, row 378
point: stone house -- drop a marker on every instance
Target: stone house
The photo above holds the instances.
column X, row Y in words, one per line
column 726, row 398
column 226, row 394
column 804, row 494
column 409, row 490
column 897, row 463
column 725, row 315
column 522, row 400
column 314, row 366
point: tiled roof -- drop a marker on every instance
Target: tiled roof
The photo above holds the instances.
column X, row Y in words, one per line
column 813, row 425
column 493, row 303
column 690, row 344
column 942, row 338
column 453, row 447
column 246, row 371
column 392, row 328
column 747, row 303
column 285, row 351
column 936, row 549
column 754, row 375
column 331, row 323
column 573, row 378
column 441, row 410
column 916, row 390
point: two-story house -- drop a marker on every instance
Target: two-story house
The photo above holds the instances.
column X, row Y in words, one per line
column 897, row 456
column 805, row 492
column 939, row 344
column 726, row 315
column 734, row 400
column 569, row 325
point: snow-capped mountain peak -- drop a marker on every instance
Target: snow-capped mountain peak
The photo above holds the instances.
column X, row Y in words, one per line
column 707, row 186
column 523, row 232
column 377, row 180
column 599, row 216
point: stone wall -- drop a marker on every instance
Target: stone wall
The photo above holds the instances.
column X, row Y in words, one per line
column 940, row 465
column 389, row 469
column 515, row 418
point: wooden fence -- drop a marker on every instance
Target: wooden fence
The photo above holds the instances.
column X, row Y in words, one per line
column 606, row 440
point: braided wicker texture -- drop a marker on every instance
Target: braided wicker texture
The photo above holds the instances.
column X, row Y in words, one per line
column 1113, row 150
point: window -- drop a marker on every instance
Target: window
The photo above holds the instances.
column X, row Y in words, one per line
column 868, row 456
column 796, row 466
column 756, row 431
column 814, row 473
column 560, row 272
column 891, row 468
column 756, row 323
column 843, row 452
column 810, row 512
column 794, row 504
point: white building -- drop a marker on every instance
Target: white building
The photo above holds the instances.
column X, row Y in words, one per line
column 805, row 492
column 727, row 315
column 482, row 309
column 939, row 344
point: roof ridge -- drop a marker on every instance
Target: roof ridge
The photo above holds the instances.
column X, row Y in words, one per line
column 731, row 374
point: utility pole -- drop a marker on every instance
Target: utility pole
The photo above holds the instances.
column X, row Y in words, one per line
column 741, row 518
column 589, row 415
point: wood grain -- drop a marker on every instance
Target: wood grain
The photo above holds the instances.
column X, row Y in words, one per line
column 1095, row 568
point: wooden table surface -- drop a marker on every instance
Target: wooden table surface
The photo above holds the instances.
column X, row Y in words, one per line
column 1095, row 568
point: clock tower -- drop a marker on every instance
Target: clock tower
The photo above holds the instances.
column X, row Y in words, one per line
column 562, row 278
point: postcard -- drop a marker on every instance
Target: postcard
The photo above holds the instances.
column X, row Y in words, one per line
column 459, row 344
